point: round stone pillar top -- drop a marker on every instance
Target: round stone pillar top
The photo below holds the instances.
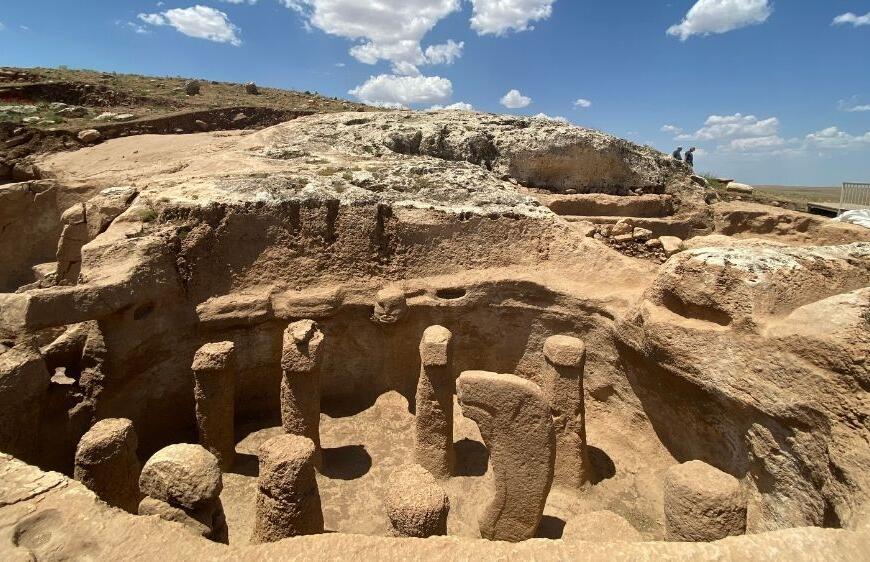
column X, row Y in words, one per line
column 565, row 351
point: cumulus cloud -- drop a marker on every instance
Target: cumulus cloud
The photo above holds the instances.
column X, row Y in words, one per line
column 515, row 100
column 671, row 129
column 198, row 21
column 721, row 16
column 737, row 125
column 582, row 104
column 252, row 2
column 458, row 106
column 399, row 91
column 853, row 19
column 388, row 30
column 445, row 53
column 754, row 144
column 558, row 118
column 498, row 17
column 834, row 138
column 858, row 108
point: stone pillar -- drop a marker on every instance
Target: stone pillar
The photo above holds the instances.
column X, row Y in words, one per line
column 183, row 483
column 288, row 500
column 416, row 505
column 214, row 391
column 515, row 422
column 433, row 424
column 300, row 384
column 702, row 504
column 565, row 358
column 106, row 463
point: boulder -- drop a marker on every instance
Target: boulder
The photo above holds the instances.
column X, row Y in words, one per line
column 89, row 135
column 742, row 188
column 184, row 475
column 192, row 88
column 702, row 504
column 416, row 505
column 671, row 244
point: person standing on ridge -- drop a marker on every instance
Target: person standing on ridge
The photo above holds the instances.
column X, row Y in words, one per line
column 678, row 154
column 690, row 157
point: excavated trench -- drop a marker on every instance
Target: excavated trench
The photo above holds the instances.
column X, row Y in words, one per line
column 707, row 354
column 241, row 273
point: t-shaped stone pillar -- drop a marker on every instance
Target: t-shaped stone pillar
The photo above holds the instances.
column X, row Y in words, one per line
column 515, row 423
column 288, row 500
column 300, row 384
column 433, row 425
column 563, row 386
column 214, row 391
column 107, row 464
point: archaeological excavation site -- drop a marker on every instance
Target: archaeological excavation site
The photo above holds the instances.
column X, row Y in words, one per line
column 422, row 335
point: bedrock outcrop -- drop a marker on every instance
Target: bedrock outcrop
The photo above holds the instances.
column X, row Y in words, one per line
column 762, row 352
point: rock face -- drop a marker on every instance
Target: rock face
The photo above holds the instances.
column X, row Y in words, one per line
column 30, row 209
column 214, row 392
column 183, row 483
column 107, row 464
column 515, row 423
column 433, row 424
column 565, row 360
column 416, row 505
column 288, row 501
column 763, row 372
column 301, row 356
column 24, row 380
column 702, row 504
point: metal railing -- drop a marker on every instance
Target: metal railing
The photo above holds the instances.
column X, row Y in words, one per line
column 854, row 196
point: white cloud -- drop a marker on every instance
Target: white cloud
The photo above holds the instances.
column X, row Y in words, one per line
column 832, row 137
column 458, row 106
column 393, row 91
column 388, row 30
column 549, row 118
column 136, row 28
column 515, row 100
column 858, row 108
column 498, row 17
column 671, row 129
column 252, row 2
column 582, row 103
column 153, row 19
column 198, row 21
column 850, row 18
column 721, row 16
column 754, row 144
column 737, row 125
column 445, row 53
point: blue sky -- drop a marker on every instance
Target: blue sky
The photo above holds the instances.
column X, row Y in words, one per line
column 770, row 91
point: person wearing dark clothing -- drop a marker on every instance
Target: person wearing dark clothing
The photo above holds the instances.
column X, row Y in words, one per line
column 678, row 154
column 690, row 157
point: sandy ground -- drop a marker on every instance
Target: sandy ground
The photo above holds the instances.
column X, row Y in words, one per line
column 361, row 450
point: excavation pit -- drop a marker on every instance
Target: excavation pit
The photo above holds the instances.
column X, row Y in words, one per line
column 381, row 290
